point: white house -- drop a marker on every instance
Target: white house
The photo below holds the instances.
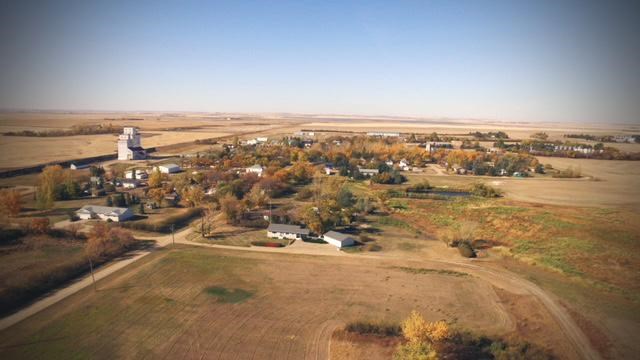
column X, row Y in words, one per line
column 104, row 213
column 256, row 169
column 169, row 168
column 283, row 231
column 136, row 174
column 130, row 183
column 129, row 146
column 404, row 165
column 368, row 172
column 262, row 139
column 337, row 239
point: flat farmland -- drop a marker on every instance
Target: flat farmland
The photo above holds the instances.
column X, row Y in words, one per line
column 23, row 151
column 210, row 303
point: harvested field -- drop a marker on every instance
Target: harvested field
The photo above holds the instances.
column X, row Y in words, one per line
column 209, row 303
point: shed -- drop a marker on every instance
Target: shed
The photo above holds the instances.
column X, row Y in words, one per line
column 104, row 213
column 338, row 239
column 169, row 168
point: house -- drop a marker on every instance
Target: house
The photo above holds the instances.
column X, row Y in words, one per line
column 256, row 169
column 262, row 139
column 389, row 163
column 104, row 213
column 169, row 168
column 338, row 240
column 130, row 183
column 283, row 231
column 129, row 146
column 136, row 174
column 368, row 172
column 330, row 170
column 75, row 166
column 404, row 165
column 172, row 199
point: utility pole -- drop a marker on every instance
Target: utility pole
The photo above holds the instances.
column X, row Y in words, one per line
column 92, row 276
column 173, row 237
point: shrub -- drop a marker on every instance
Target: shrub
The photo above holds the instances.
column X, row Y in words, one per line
column 466, row 250
column 374, row 327
column 366, row 238
column 415, row 351
column 484, row 190
column 267, row 244
column 304, row 194
column 39, row 226
column 569, row 173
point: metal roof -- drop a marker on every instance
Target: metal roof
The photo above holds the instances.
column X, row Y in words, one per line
column 104, row 210
column 284, row 228
column 337, row 236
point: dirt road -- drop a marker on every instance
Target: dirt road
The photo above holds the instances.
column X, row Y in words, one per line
column 494, row 276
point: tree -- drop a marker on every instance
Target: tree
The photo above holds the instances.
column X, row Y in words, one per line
column 156, row 194
column 232, row 208
column 345, row 198
column 257, row 197
column 74, row 230
column 39, row 225
column 48, row 181
column 103, row 242
column 11, row 202
column 155, row 179
column 414, row 328
column 109, row 201
column 193, row 196
column 415, row 351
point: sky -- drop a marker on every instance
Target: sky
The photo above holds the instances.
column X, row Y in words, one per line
column 504, row 60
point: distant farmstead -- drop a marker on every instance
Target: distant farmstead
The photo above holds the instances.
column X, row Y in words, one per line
column 383, row 134
column 104, row 213
column 283, row 231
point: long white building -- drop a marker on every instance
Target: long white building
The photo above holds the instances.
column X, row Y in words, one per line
column 129, row 146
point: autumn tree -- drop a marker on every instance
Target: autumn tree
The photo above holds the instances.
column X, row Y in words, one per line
column 232, row 208
column 40, row 225
column 155, row 179
column 10, row 202
column 48, row 181
column 257, row 197
column 193, row 196
column 156, row 194
column 104, row 242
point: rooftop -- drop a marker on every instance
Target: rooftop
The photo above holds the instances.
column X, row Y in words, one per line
column 336, row 235
column 284, row 228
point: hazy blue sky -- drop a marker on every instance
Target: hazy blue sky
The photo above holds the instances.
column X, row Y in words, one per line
column 510, row 60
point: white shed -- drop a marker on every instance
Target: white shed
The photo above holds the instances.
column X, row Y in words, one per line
column 169, row 168
column 338, row 239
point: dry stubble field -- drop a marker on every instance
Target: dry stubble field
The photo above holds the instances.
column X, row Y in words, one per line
column 209, row 303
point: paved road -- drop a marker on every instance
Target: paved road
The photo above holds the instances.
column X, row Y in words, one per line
column 499, row 277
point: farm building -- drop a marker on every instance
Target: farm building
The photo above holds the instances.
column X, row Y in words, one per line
column 130, row 183
column 435, row 145
column 135, row 174
column 368, row 172
column 129, row 147
column 338, row 239
column 256, row 169
column 75, row 166
column 283, row 231
column 169, row 168
column 104, row 213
